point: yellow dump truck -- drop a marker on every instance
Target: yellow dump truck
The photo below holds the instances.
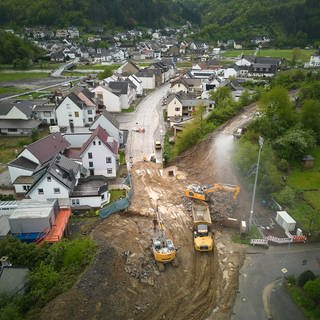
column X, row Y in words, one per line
column 202, row 235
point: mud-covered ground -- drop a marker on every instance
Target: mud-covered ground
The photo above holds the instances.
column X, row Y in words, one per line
column 124, row 283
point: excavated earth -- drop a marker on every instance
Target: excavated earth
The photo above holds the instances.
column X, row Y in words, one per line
column 123, row 282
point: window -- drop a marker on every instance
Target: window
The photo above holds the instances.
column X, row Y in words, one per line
column 99, row 143
column 75, row 201
column 40, row 191
column 102, row 197
column 90, row 119
column 177, row 109
column 47, row 114
column 91, row 171
column 109, row 171
column 108, row 160
column 94, row 143
column 70, row 115
column 56, row 190
column 91, row 164
column 49, row 179
column 89, row 111
column 76, row 114
column 90, row 155
column 26, row 188
column 12, row 130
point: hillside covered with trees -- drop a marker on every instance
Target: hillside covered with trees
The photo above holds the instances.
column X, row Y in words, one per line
column 289, row 22
column 16, row 51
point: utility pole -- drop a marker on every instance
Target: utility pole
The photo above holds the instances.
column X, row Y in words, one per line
column 255, row 184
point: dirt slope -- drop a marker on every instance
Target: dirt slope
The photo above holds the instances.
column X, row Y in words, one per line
column 124, row 282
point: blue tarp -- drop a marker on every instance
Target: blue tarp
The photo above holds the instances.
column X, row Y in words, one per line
column 120, row 204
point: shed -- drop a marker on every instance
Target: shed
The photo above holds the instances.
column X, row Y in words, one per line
column 308, row 161
column 32, row 218
column 285, row 221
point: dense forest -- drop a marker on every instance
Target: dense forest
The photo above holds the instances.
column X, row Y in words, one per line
column 287, row 22
column 16, row 51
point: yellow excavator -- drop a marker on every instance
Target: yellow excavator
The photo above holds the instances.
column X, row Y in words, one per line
column 202, row 192
column 163, row 249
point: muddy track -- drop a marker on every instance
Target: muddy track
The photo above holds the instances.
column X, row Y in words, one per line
column 203, row 286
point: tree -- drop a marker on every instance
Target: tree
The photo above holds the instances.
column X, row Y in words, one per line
column 304, row 277
column 310, row 117
column 105, row 74
column 275, row 105
column 220, row 96
column 312, row 288
column 294, row 144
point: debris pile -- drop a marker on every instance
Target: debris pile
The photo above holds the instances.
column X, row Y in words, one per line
column 140, row 267
column 221, row 205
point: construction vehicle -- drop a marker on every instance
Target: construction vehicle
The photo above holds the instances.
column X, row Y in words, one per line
column 163, row 249
column 202, row 192
column 157, row 145
column 202, row 236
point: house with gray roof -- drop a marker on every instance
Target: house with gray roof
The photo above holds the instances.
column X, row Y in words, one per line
column 35, row 154
column 17, row 118
column 56, row 178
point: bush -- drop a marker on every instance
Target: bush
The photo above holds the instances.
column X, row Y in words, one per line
column 305, row 277
column 285, row 197
column 312, row 289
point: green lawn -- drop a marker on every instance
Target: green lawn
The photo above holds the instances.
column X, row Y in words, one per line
column 304, row 302
column 117, row 194
column 97, row 66
column 11, row 90
column 74, row 74
column 14, row 76
column 11, row 146
column 306, row 183
column 275, row 53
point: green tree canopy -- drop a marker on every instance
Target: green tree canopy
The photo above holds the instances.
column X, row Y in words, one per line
column 310, row 117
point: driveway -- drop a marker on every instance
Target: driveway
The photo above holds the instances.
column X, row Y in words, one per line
column 149, row 117
column 261, row 295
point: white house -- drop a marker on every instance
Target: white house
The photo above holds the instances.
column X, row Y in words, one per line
column 105, row 97
column 125, row 90
column 314, row 61
column 76, row 110
column 137, row 83
column 148, row 78
column 100, row 154
column 174, row 107
column 56, row 178
column 109, row 123
column 35, row 154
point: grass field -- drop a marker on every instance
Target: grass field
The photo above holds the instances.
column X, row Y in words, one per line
column 11, row 90
column 304, row 54
column 14, row 76
column 117, row 194
column 306, row 184
column 97, row 66
column 10, row 147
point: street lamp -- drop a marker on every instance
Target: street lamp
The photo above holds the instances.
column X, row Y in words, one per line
column 255, row 183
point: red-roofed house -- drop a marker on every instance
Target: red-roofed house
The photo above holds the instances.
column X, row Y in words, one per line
column 99, row 154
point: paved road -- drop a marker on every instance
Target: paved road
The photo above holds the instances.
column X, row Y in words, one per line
column 261, row 276
column 149, row 116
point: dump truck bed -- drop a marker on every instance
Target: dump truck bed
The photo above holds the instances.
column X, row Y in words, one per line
column 201, row 214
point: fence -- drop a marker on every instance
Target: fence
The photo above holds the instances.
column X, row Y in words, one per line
column 120, row 204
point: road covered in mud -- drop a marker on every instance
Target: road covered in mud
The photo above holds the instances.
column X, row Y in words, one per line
column 124, row 282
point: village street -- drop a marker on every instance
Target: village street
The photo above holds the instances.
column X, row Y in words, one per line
column 261, row 294
column 149, row 117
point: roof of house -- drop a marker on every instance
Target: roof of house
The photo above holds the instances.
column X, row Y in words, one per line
column 85, row 96
column 49, row 146
column 119, row 87
column 103, row 136
column 6, row 106
column 111, row 118
column 24, row 180
column 23, row 163
column 61, row 168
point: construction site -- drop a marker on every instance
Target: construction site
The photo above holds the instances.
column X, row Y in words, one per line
column 147, row 266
